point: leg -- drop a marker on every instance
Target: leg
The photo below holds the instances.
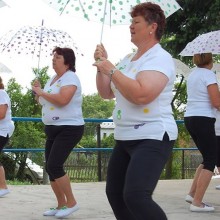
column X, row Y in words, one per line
column 2, row 178
column 202, row 131
column 195, row 180
column 3, row 142
column 117, row 168
column 202, row 185
column 148, row 158
column 60, row 196
column 65, row 140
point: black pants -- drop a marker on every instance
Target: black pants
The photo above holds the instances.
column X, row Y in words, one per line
column 202, row 131
column 3, row 142
column 218, row 151
column 59, row 144
column 133, row 173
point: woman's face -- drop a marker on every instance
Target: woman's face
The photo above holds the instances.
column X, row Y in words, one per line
column 139, row 30
column 58, row 61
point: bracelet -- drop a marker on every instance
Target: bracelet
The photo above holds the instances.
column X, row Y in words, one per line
column 112, row 71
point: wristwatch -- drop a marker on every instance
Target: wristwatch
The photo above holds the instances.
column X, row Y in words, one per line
column 112, row 71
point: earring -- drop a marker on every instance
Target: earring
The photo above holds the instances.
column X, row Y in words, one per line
column 150, row 32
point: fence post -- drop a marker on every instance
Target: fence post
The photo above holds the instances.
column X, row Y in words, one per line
column 98, row 130
column 183, row 164
column 45, row 175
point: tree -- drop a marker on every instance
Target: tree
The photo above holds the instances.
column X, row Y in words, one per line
column 96, row 107
column 196, row 17
column 26, row 135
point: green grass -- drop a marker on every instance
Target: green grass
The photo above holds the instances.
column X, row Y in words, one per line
column 17, row 182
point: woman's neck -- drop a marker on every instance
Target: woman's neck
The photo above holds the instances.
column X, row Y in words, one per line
column 144, row 47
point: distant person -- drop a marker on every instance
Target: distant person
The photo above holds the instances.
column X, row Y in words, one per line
column 6, row 131
column 61, row 101
column 217, row 132
column 145, row 129
column 203, row 99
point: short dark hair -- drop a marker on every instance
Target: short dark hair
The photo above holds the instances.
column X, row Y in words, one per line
column 1, row 83
column 152, row 13
column 68, row 55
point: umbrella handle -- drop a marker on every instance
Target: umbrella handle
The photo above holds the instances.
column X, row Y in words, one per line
column 103, row 22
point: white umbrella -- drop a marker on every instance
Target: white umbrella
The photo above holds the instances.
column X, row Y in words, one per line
column 181, row 68
column 4, row 68
column 2, row 3
column 111, row 12
column 204, row 43
column 35, row 42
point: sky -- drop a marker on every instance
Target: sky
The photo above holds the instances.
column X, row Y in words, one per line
column 86, row 35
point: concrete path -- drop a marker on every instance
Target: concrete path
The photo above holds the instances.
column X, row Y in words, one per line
column 29, row 202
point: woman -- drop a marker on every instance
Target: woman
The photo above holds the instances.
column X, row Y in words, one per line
column 6, row 130
column 202, row 102
column 145, row 130
column 61, row 102
column 217, row 132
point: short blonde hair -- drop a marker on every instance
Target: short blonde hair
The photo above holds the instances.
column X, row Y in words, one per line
column 202, row 59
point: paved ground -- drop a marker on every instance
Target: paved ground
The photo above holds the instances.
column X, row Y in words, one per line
column 29, row 202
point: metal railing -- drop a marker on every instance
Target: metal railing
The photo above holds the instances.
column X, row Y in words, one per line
column 90, row 164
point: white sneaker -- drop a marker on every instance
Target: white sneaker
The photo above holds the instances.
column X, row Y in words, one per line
column 205, row 208
column 189, row 199
column 3, row 192
column 51, row 212
column 63, row 212
column 218, row 187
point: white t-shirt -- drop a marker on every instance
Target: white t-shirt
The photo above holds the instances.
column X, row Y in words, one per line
column 150, row 121
column 198, row 101
column 70, row 114
column 6, row 124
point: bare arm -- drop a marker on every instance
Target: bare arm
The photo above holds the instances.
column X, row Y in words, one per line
column 60, row 99
column 142, row 90
column 3, row 110
column 103, row 82
column 214, row 95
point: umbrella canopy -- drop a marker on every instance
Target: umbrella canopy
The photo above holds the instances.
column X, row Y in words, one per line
column 181, row 68
column 111, row 12
column 2, row 3
column 4, row 68
column 204, row 43
column 35, row 42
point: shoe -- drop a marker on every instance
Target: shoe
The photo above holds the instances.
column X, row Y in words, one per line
column 63, row 212
column 205, row 208
column 51, row 212
column 189, row 199
column 218, row 187
column 3, row 192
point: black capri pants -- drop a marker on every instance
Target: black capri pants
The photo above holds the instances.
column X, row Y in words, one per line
column 133, row 172
column 3, row 142
column 59, row 144
column 202, row 131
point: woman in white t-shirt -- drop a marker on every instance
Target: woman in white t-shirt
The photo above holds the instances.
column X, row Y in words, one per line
column 217, row 132
column 6, row 130
column 203, row 99
column 145, row 129
column 61, row 101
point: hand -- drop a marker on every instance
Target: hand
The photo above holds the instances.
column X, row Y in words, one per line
column 37, row 90
column 104, row 65
column 100, row 52
column 36, row 83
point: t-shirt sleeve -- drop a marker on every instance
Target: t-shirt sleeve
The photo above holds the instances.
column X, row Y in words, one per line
column 3, row 98
column 162, row 63
column 210, row 78
column 70, row 79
